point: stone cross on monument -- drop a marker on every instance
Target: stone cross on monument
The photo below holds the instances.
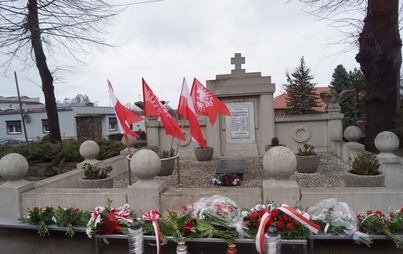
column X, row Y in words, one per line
column 238, row 60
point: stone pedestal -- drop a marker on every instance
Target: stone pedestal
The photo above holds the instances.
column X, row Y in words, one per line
column 144, row 195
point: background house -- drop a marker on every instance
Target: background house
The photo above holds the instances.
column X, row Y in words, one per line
column 279, row 102
column 78, row 118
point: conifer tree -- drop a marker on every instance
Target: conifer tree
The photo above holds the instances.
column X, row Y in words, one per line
column 357, row 80
column 301, row 98
column 342, row 81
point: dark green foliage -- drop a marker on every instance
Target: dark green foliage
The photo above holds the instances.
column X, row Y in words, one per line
column 366, row 164
column 163, row 153
column 306, row 150
column 57, row 153
column 93, row 172
column 357, row 80
column 341, row 80
column 302, row 98
column 275, row 141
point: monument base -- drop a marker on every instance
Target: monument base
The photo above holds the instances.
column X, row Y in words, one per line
column 281, row 191
column 240, row 149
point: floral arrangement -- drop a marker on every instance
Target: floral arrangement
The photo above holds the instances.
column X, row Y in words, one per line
column 287, row 226
column 380, row 223
column 226, row 179
column 70, row 217
column 41, row 217
column 108, row 220
column 220, row 211
column 337, row 218
column 64, row 217
column 219, row 216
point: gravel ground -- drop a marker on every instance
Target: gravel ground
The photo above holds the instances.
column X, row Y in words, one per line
column 197, row 174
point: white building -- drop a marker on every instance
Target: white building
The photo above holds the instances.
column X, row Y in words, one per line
column 36, row 122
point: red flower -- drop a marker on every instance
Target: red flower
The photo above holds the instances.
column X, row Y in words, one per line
column 378, row 213
column 275, row 213
column 262, row 212
column 286, row 217
column 246, row 223
column 257, row 223
column 291, row 225
column 391, row 214
column 253, row 216
column 369, row 212
column 280, row 224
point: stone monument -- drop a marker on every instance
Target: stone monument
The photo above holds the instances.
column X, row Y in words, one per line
column 249, row 98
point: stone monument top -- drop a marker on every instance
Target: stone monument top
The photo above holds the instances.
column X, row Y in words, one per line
column 238, row 72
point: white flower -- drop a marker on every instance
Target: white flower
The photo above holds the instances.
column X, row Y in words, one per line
column 126, row 206
column 258, row 207
column 244, row 214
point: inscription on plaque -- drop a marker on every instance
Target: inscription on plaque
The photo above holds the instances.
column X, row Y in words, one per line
column 240, row 123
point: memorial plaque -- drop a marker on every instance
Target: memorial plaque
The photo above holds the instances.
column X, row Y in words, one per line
column 240, row 127
column 232, row 166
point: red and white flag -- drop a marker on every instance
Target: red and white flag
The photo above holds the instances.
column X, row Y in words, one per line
column 153, row 107
column 187, row 110
column 206, row 103
column 124, row 116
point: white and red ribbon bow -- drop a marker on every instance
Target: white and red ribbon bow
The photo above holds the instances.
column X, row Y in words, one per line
column 153, row 216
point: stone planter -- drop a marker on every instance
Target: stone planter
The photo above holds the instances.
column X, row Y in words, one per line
column 204, row 154
column 167, row 166
column 98, row 183
column 307, row 164
column 354, row 180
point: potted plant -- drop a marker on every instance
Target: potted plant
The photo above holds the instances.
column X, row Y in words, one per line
column 167, row 160
column 204, row 154
column 307, row 159
column 96, row 177
column 274, row 142
column 365, row 172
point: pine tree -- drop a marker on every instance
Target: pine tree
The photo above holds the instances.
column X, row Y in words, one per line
column 301, row 96
column 342, row 81
column 357, row 80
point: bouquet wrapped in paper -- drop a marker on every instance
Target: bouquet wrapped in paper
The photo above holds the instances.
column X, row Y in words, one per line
column 221, row 211
column 337, row 218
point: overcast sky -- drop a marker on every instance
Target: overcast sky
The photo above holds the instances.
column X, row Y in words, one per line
column 168, row 40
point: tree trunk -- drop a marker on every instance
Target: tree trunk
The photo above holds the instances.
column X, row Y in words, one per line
column 380, row 59
column 44, row 72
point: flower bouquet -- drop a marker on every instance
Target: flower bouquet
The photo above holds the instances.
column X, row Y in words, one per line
column 287, row 226
column 41, row 217
column 379, row 223
column 219, row 216
column 107, row 220
column 396, row 221
column 70, row 217
column 226, row 179
column 337, row 218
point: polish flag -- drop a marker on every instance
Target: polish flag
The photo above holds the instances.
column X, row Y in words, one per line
column 124, row 116
column 187, row 110
column 206, row 103
column 153, row 107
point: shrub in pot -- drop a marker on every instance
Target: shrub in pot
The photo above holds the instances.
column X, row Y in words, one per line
column 365, row 172
column 96, row 177
column 307, row 159
column 167, row 160
column 274, row 142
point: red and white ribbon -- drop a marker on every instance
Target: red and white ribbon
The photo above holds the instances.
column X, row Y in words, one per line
column 153, row 216
column 312, row 226
column 259, row 242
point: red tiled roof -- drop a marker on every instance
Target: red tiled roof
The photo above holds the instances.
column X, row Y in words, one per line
column 280, row 103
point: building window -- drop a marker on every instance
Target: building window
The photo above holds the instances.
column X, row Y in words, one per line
column 14, row 127
column 45, row 126
column 113, row 124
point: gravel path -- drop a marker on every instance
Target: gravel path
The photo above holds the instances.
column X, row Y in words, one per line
column 197, row 174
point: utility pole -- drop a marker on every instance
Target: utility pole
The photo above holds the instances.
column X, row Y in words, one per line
column 19, row 101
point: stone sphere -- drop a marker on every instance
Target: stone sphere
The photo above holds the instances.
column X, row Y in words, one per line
column 145, row 164
column 13, row 167
column 280, row 162
column 386, row 142
column 89, row 149
column 131, row 140
column 352, row 133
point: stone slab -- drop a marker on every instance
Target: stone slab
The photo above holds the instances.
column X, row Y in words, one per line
column 283, row 191
column 232, row 166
